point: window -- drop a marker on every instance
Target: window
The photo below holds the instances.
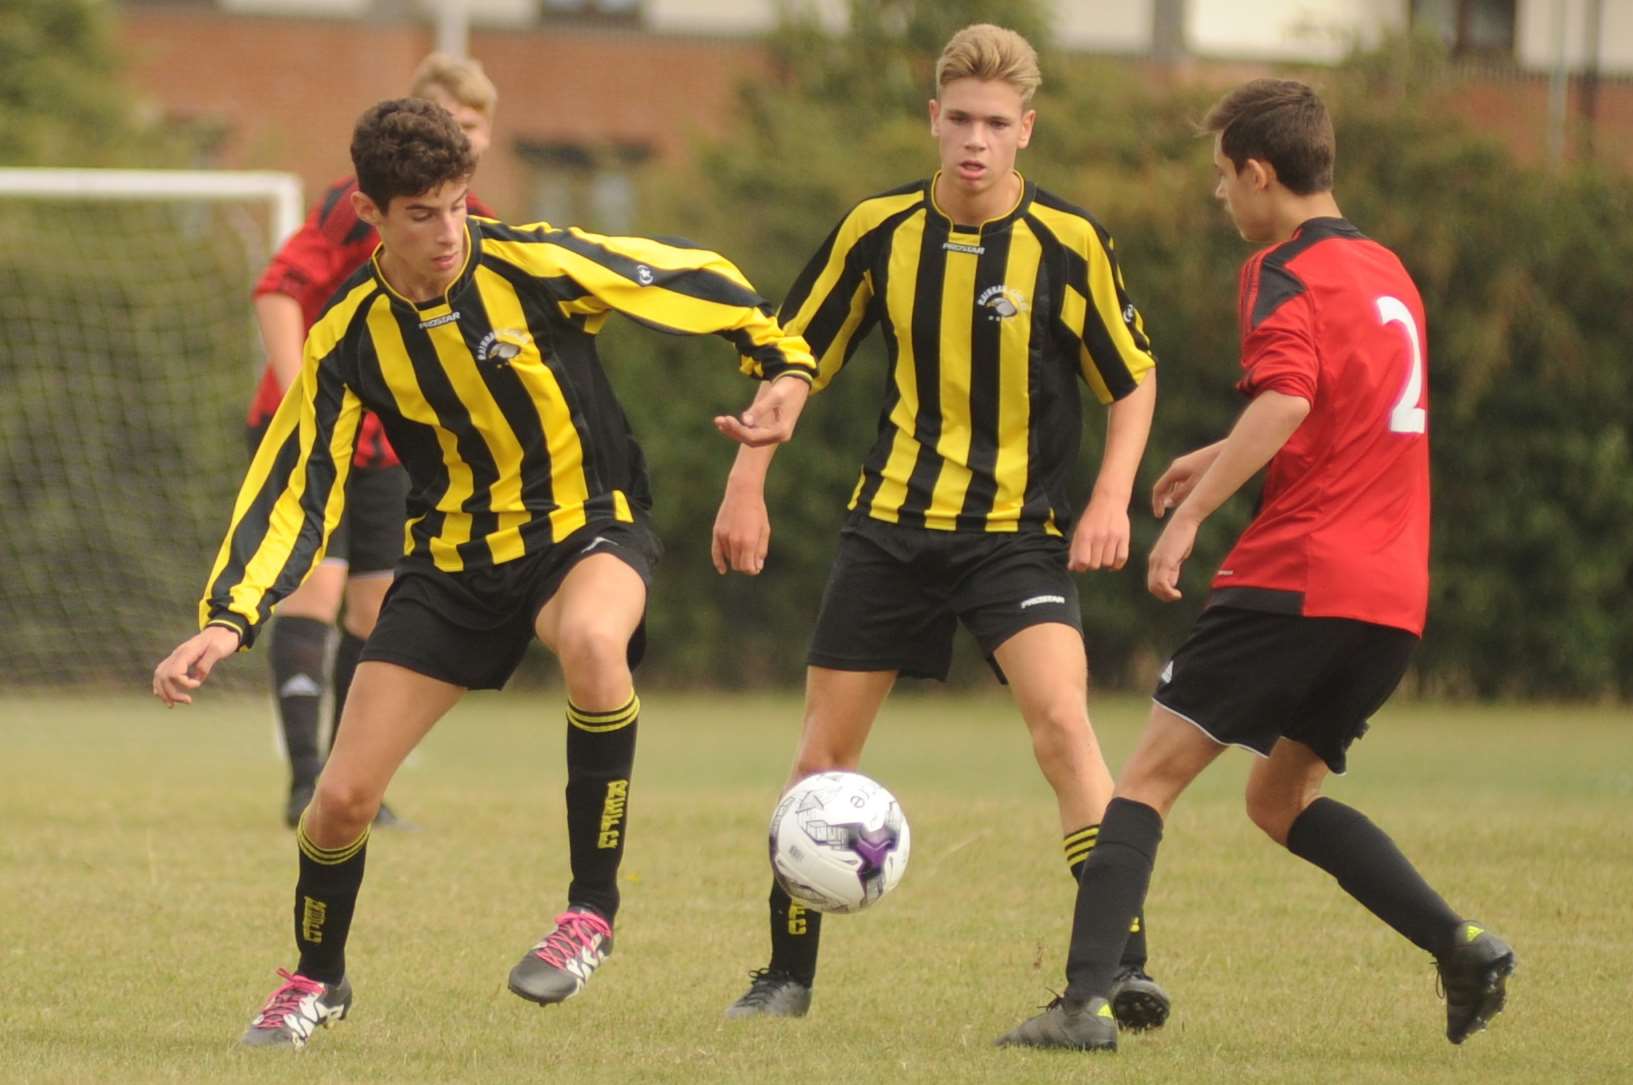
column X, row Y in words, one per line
column 614, row 9
column 1469, row 26
column 571, row 184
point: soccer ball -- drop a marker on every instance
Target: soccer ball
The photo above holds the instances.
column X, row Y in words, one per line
column 839, row 842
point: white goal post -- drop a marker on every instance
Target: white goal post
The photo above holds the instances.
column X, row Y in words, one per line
column 128, row 356
column 282, row 191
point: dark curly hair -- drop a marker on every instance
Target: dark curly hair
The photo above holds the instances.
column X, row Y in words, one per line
column 406, row 146
column 1279, row 121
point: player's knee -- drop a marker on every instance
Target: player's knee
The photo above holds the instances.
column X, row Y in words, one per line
column 591, row 649
column 1273, row 812
column 342, row 808
column 1060, row 735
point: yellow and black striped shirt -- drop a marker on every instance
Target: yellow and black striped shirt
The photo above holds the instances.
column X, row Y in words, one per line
column 988, row 330
column 492, row 396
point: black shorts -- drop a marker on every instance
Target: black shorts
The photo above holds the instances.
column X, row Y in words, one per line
column 472, row 628
column 1250, row 677
column 369, row 537
column 895, row 595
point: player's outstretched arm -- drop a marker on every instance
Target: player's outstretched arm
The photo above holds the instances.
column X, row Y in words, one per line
column 742, row 526
column 1264, row 427
column 185, row 669
column 1101, row 538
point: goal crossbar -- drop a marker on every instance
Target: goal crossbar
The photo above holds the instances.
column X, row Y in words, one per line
column 282, row 191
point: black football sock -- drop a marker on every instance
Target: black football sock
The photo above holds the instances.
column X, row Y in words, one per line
column 600, row 754
column 297, row 647
column 325, row 896
column 340, row 675
column 1110, row 895
column 796, row 932
column 1369, row 867
column 1077, row 846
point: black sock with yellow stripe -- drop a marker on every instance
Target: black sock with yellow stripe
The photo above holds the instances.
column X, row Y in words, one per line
column 325, row 896
column 796, row 932
column 600, row 754
column 1077, row 846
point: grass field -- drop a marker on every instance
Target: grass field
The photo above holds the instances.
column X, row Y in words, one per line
column 145, row 885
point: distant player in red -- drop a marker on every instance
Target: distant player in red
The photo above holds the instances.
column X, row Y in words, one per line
column 1315, row 612
column 295, row 289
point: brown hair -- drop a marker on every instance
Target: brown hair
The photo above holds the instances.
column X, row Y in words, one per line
column 406, row 146
column 984, row 51
column 460, row 78
column 1279, row 121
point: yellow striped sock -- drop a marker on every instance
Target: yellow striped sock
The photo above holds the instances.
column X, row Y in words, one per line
column 327, row 856
column 601, row 722
column 1077, row 845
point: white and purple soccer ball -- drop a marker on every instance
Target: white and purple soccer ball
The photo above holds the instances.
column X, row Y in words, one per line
column 839, row 842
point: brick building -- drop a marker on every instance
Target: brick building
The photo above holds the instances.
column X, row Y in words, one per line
column 593, row 89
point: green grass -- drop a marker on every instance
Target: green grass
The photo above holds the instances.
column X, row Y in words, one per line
column 145, row 891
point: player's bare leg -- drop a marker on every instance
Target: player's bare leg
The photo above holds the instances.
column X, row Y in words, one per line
column 840, row 707
column 588, row 624
column 365, row 593
column 390, row 711
column 1282, row 785
column 1048, row 675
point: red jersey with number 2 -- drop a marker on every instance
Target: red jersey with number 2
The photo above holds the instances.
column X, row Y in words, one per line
column 1342, row 529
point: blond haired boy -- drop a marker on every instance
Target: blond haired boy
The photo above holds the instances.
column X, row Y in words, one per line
column 997, row 300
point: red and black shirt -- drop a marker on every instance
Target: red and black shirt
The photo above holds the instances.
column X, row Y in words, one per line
column 1342, row 528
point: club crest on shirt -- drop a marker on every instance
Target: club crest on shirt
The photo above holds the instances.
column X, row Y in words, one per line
column 1001, row 302
column 502, row 346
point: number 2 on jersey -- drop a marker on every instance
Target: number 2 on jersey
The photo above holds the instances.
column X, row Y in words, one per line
column 1406, row 416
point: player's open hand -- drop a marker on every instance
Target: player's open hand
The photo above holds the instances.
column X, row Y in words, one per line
column 770, row 419
column 742, row 532
column 1100, row 540
column 1173, row 546
column 1181, row 478
column 185, row 669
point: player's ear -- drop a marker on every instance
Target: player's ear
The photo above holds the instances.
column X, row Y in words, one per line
column 935, row 115
column 1027, row 119
column 366, row 209
column 1260, row 174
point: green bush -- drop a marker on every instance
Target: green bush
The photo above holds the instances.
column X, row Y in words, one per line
column 1525, row 274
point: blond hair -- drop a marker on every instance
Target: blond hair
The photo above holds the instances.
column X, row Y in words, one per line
column 460, row 78
column 984, row 51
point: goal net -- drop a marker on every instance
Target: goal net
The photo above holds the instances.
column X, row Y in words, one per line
column 128, row 352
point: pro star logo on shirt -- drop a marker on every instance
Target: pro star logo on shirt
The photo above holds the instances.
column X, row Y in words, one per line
column 644, row 274
column 502, row 346
column 1001, row 302
column 439, row 321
